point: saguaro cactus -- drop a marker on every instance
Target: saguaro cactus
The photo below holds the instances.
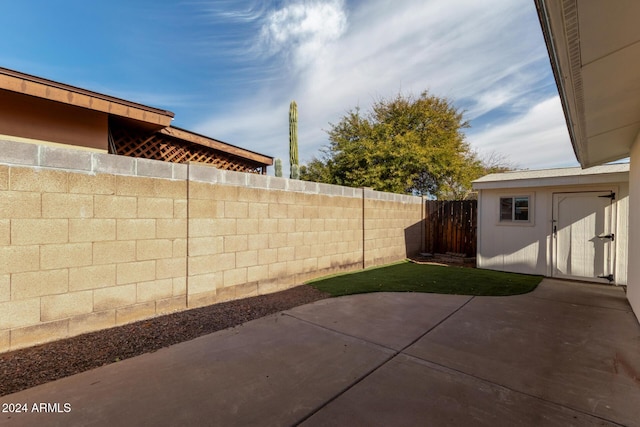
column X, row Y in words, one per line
column 293, row 140
column 295, row 172
column 278, row 166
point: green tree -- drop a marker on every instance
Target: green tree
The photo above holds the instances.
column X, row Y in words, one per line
column 403, row 145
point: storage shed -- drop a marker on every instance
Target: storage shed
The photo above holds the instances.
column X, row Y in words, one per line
column 567, row 223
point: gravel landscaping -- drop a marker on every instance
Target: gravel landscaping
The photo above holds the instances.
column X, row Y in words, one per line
column 22, row 369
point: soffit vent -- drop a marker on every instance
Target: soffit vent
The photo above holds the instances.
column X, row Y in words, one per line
column 572, row 34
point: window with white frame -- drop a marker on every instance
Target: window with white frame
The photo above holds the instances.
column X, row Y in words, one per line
column 514, row 209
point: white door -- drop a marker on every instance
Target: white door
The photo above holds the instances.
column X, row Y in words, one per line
column 583, row 237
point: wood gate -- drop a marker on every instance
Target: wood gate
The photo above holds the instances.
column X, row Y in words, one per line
column 450, row 226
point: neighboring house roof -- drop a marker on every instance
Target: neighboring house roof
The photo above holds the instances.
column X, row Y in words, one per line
column 177, row 145
column 129, row 128
column 26, row 84
column 553, row 177
column 596, row 73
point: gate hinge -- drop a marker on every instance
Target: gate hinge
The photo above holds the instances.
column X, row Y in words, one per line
column 611, row 196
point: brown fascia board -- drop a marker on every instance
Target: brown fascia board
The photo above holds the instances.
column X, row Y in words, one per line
column 195, row 138
column 47, row 89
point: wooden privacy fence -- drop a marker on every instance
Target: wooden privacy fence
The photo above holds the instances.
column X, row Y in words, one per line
column 450, row 226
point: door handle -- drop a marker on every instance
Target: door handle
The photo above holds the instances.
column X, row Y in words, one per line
column 607, row 236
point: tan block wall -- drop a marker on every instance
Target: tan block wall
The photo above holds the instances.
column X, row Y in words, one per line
column 80, row 252
column 98, row 246
column 393, row 227
column 249, row 241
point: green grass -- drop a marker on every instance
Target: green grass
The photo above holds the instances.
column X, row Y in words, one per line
column 410, row 277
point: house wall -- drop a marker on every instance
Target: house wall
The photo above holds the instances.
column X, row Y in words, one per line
column 34, row 118
column 633, row 289
column 527, row 248
column 90, row 240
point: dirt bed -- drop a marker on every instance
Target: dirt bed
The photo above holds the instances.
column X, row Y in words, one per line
column 22, row 369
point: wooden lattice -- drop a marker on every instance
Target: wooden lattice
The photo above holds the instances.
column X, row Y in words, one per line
column 156, row 146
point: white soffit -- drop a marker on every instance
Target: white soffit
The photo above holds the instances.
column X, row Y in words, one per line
column 595, row 50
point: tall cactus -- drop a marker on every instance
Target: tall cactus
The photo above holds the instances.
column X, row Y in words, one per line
column 295, row 172
column 293, row 139
column 278, row 166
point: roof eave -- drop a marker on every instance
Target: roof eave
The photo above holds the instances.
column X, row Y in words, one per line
column 566, row 92
column 47, row 89
column 565, row 181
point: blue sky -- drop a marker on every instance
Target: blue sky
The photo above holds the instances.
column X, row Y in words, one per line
column 229, row 68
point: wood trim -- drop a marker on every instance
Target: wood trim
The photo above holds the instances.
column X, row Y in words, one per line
column 47, row 89
column 216, row 145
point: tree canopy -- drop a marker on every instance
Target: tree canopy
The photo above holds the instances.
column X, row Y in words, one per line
column 403, row 145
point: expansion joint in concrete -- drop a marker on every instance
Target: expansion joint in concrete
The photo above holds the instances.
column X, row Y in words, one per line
column 392, row 356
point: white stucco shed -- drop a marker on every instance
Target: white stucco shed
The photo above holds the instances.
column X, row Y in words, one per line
column 568, row 223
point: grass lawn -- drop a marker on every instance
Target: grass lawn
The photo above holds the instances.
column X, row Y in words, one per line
column 410, row 277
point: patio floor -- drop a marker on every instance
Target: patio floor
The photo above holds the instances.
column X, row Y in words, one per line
column 565, row 354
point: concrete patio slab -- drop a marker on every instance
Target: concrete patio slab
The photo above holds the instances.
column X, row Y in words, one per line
column 393, row 320
column 431, row 395
column 582, row 293
column 584, row 357
column 561, row 355
column 271, row 371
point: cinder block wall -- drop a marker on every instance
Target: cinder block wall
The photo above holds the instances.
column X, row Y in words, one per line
column 393, row 227
column 87, row 242
column 90, row 241
column 252, row 234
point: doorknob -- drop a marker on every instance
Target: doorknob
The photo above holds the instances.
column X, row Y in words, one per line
column 607, row 236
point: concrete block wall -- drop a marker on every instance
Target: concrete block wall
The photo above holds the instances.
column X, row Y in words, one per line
column 90, row 240
column 256, row 234
column 393, row 227
column 83, row 248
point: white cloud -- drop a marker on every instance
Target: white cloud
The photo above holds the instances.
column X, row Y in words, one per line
column 488, row 57
column 260, row 126
column 304, row 29
column 539, row 138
